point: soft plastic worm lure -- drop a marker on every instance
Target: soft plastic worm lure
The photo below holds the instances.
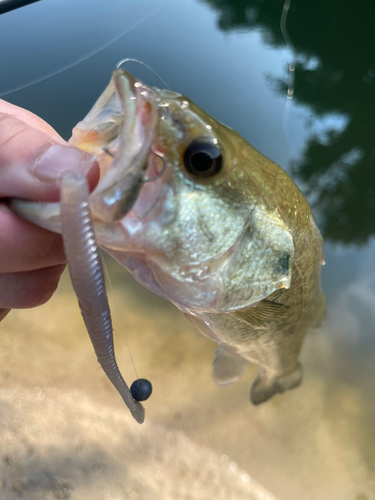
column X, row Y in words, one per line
column 86, row 273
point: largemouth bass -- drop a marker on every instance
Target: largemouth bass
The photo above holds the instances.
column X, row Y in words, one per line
column 200, row 217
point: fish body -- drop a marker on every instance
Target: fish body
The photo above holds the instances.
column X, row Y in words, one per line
column 203, row 219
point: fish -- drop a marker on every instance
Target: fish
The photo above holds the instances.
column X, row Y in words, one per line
column 203, row 219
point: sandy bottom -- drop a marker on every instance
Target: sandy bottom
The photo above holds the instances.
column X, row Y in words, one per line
column 77, row 449
column 65, row 433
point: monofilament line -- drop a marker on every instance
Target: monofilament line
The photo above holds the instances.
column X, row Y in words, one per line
column 118, row 313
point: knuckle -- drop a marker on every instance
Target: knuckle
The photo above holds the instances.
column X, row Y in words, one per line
column 49, row 281
column 10, row 129
column 53, row 254
column 28, row 289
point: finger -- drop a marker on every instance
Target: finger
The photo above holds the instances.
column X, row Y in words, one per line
column 28, row 289
column 25, row 247
column 27, row 117
column 33, row 162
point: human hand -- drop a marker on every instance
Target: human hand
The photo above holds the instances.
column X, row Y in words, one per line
column 33, row 159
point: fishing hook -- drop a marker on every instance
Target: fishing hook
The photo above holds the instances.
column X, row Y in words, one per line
column 155, row 177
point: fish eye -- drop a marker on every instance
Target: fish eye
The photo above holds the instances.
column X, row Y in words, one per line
column 203, row 158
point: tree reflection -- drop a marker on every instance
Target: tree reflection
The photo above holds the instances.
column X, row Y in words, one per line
column 334, row 45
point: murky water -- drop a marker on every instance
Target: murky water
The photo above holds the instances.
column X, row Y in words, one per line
column 316, row 442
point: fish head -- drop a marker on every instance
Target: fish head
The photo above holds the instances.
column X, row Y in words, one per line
column 181, row 202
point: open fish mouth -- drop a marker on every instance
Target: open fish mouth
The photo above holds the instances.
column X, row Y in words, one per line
column 120, row 131
column 122, row 125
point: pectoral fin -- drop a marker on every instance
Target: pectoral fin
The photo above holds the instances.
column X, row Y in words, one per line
column 262, row 314
column 227, row 366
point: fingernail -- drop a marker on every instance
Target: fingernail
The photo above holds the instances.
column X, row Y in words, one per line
column 55, row 160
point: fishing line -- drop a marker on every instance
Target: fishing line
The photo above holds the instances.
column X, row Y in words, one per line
column 291, row 77
column 118, row 313
column 284, row 32
column 128, row 59
column 81, row 59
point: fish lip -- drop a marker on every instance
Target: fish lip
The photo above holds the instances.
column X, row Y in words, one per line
column 118, row 190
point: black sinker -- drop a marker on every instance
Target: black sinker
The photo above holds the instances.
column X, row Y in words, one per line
column 141, row 389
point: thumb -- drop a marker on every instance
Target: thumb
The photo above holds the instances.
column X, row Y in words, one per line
column 32, row 161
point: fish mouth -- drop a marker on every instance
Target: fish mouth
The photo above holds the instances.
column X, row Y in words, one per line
column 122, row 124
column 120, row 132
